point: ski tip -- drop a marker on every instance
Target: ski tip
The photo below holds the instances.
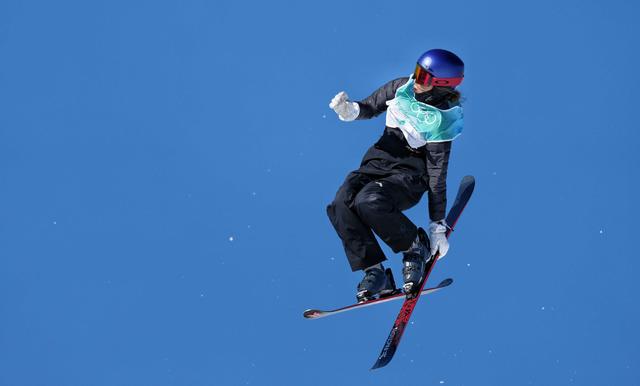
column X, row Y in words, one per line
column 313, row 314
column 467, row 184
column 376, row 365
column 381, row 362
column 445, row 283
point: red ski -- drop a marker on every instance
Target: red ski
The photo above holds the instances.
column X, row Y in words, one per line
column 391, row 345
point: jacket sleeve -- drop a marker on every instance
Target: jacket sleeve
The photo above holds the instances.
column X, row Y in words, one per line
column 376, row 103
column 437, row 165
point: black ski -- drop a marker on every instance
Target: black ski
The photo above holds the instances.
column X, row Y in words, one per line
column 391, row 345
column 398, row 294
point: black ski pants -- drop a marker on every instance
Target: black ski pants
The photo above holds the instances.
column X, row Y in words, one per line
column 369, row 203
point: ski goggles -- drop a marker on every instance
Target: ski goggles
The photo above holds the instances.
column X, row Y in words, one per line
column 425, row 78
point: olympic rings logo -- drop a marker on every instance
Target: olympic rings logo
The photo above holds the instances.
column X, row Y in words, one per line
column 424, row 116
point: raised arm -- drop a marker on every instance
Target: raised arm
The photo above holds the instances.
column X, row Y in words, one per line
column 372, row 106
column 376, row 103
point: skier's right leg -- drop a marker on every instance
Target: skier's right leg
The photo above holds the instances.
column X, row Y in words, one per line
column 360, row 245
column 377, row 282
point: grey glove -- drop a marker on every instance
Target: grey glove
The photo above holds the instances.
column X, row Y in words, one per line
column 438, row 238
column 346, row 110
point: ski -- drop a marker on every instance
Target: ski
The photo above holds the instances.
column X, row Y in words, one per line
column 391, row 344
column 398, row 294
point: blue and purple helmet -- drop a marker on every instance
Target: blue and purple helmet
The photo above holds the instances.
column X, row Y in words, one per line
column 440, row 68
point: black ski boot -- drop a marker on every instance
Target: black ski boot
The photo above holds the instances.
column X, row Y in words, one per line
column 376, row 282
column 415, row 262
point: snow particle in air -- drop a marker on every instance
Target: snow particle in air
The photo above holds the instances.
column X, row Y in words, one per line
column 601, row 231
column 230, row 238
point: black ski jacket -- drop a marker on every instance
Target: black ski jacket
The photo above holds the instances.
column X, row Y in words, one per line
column 392, row 153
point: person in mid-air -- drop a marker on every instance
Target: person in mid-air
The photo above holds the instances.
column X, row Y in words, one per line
column 423, row 116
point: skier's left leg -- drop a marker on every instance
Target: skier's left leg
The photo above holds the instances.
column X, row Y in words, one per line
column 380, row 204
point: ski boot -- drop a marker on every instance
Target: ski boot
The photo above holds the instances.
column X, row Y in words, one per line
column 415, row 262
column 377, row 283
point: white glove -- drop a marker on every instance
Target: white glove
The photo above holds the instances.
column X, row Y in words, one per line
column 346, row 110
column 438, row 238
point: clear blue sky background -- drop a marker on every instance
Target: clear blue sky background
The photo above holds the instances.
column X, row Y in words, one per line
column 165, row 167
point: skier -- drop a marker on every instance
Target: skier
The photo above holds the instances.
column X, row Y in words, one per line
column 423, row 116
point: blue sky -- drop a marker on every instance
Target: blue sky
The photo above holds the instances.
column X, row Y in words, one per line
column 165, row 168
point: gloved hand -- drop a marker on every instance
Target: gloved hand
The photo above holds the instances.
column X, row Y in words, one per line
column 438, row 237
column 346, row 110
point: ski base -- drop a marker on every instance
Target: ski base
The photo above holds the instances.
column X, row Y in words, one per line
column 396, row 295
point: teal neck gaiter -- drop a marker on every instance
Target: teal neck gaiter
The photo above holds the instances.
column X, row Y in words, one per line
column 431, row 123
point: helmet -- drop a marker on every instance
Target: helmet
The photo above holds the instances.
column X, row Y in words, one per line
column 439, row 67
